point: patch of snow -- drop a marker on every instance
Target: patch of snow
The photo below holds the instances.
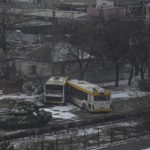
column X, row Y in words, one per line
column 120, row 95
column 128, row 94
column 34, row 113
column 15, row 110
column 146, row 149
column 15, row 96
column 62, row 112
column 4, row 110
column 121, row 82
column 13, row 132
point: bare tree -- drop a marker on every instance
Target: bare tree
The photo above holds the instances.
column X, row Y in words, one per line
column 80, row 46
column 8, row 19
column 113, row 41
column 138, row 54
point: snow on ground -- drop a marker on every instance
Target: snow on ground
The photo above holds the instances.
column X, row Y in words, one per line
column 103, row 129
column 62, row 112
column 124, row 91
column 36, row 99
column 19, row 97
column 146, row 149
column 121, row 82
column 129, row 93
column 112, row 83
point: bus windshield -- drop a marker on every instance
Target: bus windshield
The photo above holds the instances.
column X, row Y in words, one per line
column 54, row 89
column 101, row 98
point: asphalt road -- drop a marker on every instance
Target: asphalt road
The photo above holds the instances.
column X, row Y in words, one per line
column 138, row 144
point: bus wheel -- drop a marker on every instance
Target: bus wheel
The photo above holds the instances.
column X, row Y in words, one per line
column 84, row 107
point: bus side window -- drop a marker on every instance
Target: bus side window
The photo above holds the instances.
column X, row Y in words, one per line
column 78, row 94
column 90, row 98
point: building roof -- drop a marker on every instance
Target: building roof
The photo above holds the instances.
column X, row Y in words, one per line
column 59, row 53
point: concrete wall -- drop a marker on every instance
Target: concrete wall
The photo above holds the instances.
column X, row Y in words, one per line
column 25, row 67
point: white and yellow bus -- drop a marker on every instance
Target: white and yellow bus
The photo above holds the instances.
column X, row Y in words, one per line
column 55, row 90
column 89, row 96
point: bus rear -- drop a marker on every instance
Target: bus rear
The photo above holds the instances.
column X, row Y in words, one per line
column 102, row 102
column 54, row 90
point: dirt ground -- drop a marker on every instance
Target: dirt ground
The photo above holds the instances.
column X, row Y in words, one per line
column 124, row 109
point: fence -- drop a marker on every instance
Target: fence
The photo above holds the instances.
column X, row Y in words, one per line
column 76, row 139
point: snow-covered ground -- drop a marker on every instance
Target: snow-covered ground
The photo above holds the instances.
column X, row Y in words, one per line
column 62, row 112
column 128, row 93
column 23, row 97
column 67, row 112
column 78, row 132
column 19, row 97
column 124, row 91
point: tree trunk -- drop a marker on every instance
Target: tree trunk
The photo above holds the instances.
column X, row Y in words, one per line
column 81, row 75
column 149, row 63
column 136, row 72
column 117, row 74
column 81, row 71
column 131, row 75
column 142, row 75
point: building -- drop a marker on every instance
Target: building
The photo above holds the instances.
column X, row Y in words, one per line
column 104, row 3
column 51, row 3
column 106, row 12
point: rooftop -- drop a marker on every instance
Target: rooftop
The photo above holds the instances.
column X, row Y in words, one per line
column 59, row 53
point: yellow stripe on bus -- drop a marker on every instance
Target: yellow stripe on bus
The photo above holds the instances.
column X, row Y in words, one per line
column 106, row 93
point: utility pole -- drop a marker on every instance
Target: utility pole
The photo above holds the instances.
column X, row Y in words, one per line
column 148, row 28
column 54, row 12
column 71, row 10
column 52, row 43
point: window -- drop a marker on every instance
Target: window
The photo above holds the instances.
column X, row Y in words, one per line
column 54, row 89
column 77, row 94
column 101, row 98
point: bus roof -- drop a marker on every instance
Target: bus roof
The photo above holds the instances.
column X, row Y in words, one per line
column 57, row 80
column 86, row 87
